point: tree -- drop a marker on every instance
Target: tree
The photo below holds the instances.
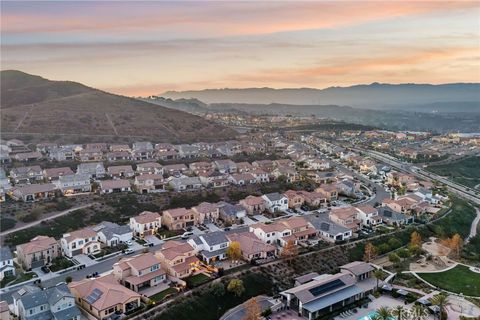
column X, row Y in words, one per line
column 370, row 252
column 400, row 313
column 456, row 244
column 236, row 287
column 403, row 253
column 418, row 312
column 382, row 313
column 252, row 310
column 394, row 243
column 378, row 274
column 415, row 239
column 289, row 251
column 68, row 279
column 218, row 289
column 393, row 258
column 442, row 302
column 234, row 251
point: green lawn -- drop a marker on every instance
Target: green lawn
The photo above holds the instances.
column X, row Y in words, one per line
column 60, row 263
column 465, row 171
column 196, row 280
column 161, row 295
column 24, row 277
column 459, row 280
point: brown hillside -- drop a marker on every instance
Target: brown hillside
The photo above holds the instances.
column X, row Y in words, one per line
column 42, row 108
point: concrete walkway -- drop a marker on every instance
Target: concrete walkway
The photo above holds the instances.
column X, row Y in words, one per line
column 31, row 224
column 474, row 227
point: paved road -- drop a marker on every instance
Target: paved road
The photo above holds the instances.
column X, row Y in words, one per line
column 31, row 224
column 453, row 187
column 239, row 312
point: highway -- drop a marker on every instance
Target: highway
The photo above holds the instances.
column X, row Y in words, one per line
column 453, row 187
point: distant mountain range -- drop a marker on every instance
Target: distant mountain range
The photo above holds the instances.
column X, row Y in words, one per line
column 372, row 96
column 45, row 110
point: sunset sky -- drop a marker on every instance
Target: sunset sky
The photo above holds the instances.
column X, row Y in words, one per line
column 142, row 48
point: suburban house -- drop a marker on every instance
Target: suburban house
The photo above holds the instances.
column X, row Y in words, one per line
column 32, row 303
column 104, row 296
column 251, row 247
column 73, row 184
column 83, row 241
column 90, row 155
column 201, row 167
column 327, row 293
column 327, row 229
column 26, row 174
column 231, row 212
column 146, row 223
column 243, row 167
column 210, row 246
column 214, row 179
column 300, row 228
column 289, row 173
column 40, row 251
column 27, row 156
column 113, row 234
column 329, row 191
column 177, row 258
column 149, row 168
column 347, row 217
column 295, row 198
column 118, row 172
column 225, row 166
column 52, row 174
column 175, row 169
column 253, row 204
column 266, row 165
column 94, row 170
column 241, row 179
column 7, row 269
column 149, row 183
column 403, row 204
column 275, row 202
column 270, row 233
column 260, row 175
column 394, row 218
column 206, row 211
column 114, row 186
column 33, row 192
column 318, row 164
column 368, row 215
column 118, row 155
column 61, row 154
column 139, row 272
column 178, row 219
column 314, row 199
column 186, row 183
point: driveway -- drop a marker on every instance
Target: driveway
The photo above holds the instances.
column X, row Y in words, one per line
column 212, row 227
column 239, row 312
column 84, row 259
column 152, row 239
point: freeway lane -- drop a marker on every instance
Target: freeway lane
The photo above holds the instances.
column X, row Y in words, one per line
column 453, row 187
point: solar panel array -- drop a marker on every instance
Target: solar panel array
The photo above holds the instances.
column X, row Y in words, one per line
column 337, row 283
column 94, row 296
column 324, row 226
column 387, row 213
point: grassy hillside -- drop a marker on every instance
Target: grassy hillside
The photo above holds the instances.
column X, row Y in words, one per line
column 465, row 171
column 42, row 110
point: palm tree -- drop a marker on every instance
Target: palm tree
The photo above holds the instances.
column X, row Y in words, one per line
column 378, row 274
column 382, row 313
column 418, row 312
column 400, row 313
column 441, row 300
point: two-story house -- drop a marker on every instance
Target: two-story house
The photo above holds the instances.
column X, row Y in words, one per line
column 7, row 269
column 178, row 219
column 206, row 211
column 120, row 172
column 32, row 303
column 146, row 223
column 29, row 174
column 94, row 170
column 83, row 241
column 177, row 258
column 149, row 183
column 40, row 251
column 347, row 217
column 211, row 246
column 253, row 204
column 149, row 168
column 73, row 184
column 275, row 202
column 139, row 272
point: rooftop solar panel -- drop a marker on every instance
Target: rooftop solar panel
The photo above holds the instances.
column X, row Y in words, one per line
column 337, row 283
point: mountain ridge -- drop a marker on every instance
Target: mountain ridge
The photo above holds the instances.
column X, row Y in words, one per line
column 32, row 105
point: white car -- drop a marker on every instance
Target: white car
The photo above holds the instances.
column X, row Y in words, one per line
column 187, row 234
column 129, row 251
column 129, row 242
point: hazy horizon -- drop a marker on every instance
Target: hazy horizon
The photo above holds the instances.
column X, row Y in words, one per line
column 147, row 48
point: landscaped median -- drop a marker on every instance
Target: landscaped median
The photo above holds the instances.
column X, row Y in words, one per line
column 459, row 279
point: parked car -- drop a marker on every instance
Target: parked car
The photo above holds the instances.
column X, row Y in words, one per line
column 129, row 251
column 45, row 269
column 129, row 242
column 148, row 244
column 187, row 234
